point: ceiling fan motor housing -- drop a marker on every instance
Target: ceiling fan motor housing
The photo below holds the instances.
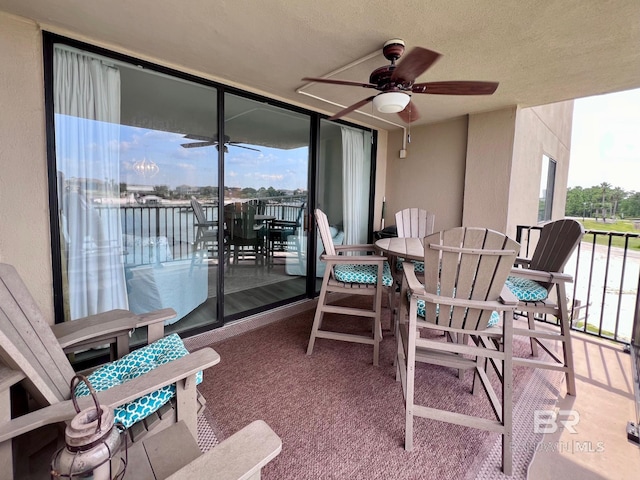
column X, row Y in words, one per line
column 382, row 78
column 393, row 49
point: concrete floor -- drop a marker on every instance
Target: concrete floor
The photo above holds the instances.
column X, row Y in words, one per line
column 599, row 448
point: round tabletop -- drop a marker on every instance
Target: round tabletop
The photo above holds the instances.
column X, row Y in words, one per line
column 409, row 248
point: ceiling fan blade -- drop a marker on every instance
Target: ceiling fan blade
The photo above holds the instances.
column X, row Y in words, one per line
column 197, row 144
column 191, row 136
column 242, row 146
column 350, row 109
column 339, row 82
column 414, row 64
column 410, row 113
column 456, row 88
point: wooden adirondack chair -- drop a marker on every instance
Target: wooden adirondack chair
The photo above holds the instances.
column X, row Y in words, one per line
column 533, row 284
column 32, row 352
column 464, row 285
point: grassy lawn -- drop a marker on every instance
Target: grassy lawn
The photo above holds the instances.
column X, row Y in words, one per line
column 623, row 226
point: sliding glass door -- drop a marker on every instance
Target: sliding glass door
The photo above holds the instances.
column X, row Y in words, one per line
column 126, row 176
column 174, row 192
column 266, row 168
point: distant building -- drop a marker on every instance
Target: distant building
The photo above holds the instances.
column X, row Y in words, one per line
column 140, row 189
column 186, row 190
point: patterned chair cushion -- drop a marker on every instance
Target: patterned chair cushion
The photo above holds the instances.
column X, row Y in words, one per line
column 525, row 289
column 352, row 273
column 418, row 267
column 133, row 365
column 493, row 321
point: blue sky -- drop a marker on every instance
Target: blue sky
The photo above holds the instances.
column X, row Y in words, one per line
column 270, row 167
column 605, row 143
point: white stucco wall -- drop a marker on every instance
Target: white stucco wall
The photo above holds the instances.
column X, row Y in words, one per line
column 24, row 205
column 432, row 175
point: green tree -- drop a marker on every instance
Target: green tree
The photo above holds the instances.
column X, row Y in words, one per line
column 617, row 194
column 630, row 205
column 161, row 191
column 577, row 203
column 604, row 187
column 249, row 192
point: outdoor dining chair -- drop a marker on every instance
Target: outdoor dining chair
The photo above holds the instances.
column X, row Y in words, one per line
column 541, row 289
column 414, row 223
column 463, row 289
column 364, row 274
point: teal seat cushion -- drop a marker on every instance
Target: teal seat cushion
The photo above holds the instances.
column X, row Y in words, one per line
column 526, row 290
column 367, row 273
column 493, row 321
column 418, row 267
column 133, row 365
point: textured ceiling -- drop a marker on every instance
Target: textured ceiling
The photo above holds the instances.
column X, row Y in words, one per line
column 540, row 51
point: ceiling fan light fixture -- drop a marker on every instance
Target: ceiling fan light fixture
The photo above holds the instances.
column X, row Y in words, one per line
column 391, row 102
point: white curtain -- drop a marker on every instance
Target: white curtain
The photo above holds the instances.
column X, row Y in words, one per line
column 87, row 126
column 354, row 188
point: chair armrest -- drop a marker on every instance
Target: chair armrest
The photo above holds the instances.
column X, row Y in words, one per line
column 159, row 377
column 522, row 261
column 107, row 324
column 154, row 321
column 460, row 302
column 106, row 327
column 284, row 223
column 507, row 297
column 356, row 248
column 413, row 283
column 350, row 260
column 417, row 289
column 239, row 457
column 210, row 223
column 541, row 276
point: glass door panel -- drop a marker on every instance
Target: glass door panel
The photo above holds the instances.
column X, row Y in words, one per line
column 266, row 165
column 125, row 182
column 343, row 186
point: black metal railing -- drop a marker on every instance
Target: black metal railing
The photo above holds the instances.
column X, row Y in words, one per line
column 165, row 232
column 606, row 270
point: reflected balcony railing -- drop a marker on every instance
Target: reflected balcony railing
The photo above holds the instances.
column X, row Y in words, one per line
column 164, row 231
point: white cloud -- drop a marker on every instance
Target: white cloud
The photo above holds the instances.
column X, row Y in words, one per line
column 605, row 144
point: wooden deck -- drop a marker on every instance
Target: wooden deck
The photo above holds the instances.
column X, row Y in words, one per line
column 599, row 448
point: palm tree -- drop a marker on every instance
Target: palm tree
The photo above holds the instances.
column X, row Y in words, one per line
column 616, row 195
column 604, row 186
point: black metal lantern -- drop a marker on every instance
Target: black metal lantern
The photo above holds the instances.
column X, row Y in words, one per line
column 93, row 442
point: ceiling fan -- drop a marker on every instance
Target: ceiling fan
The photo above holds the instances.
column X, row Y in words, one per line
column 208, row 141
column 396, row 82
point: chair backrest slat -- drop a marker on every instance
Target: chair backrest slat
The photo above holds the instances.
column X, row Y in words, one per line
column 325, row 233
column 414, row 222
column 469, row 264
column 27, row 342
column 557, row 242
column 198, row 211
